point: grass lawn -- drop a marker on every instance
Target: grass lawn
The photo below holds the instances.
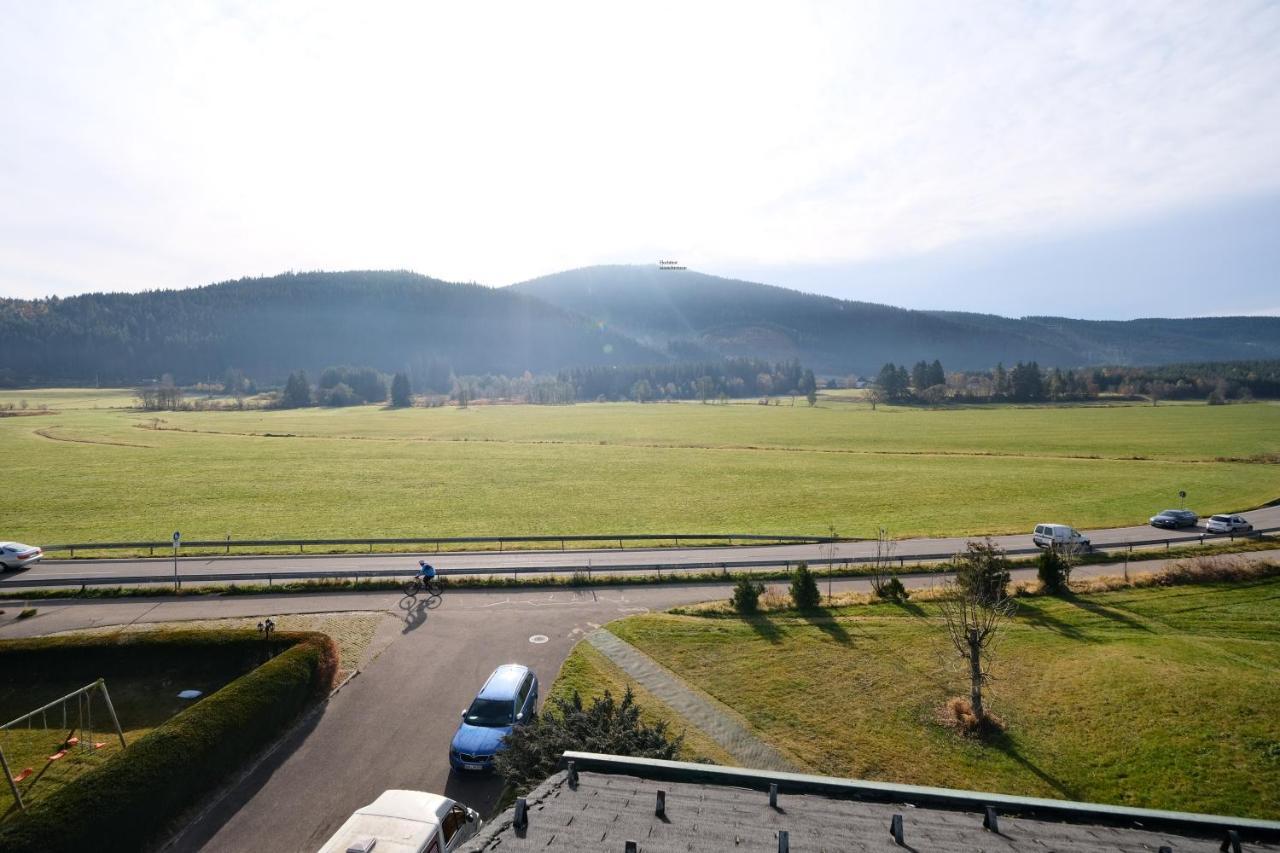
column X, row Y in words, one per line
column 1160, row 698
column 101, row 474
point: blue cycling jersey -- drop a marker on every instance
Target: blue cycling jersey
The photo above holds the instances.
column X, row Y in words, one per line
column 428, row 572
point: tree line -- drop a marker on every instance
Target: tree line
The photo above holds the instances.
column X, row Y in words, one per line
column 1028, row 382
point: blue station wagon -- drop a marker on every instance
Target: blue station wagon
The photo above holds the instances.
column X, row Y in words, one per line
column 508, row 699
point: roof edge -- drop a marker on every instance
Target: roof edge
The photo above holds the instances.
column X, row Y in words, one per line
column 1063, row 810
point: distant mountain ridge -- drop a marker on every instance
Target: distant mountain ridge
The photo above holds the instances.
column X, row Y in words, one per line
column 684, row 311
column 268, row 327
column 591, row 317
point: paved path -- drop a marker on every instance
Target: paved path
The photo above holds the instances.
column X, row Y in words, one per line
column 531, row 561
column 717, row 721
column 390, row 727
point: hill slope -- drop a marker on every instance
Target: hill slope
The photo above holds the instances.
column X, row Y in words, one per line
column 691, row 313
column 271, row 326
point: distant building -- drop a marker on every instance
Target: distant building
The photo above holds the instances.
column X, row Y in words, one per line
column 610, row 803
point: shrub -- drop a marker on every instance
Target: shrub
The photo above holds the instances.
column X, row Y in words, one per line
column 1054, row 572
column 804, row 589
column 120, row 804
column 609, row 726
column 746, row 595
column 982, row 572
column 892, row 590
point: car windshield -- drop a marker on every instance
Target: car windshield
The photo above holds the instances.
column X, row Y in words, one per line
column 490, row 712
column 1220, row 518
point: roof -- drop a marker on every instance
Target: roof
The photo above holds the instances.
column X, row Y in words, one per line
column 716, row 809
column 401, row 821
column 504, row 683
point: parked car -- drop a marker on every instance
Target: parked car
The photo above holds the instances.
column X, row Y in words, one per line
column 15, row 555
column 1060, row 535
column 406, row 822
column 1174, row 518
column 1227, row 524
column 509, row 698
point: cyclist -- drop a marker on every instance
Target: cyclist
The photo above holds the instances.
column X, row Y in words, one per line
column 427, row 572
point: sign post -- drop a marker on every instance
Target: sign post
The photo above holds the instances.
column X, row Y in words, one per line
column 177, row 539
column 1182, row 496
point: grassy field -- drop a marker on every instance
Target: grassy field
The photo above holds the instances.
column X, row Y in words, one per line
column 90, row 468
column 1161, row 698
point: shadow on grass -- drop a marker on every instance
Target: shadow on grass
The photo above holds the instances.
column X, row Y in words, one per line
column 1118, row 616
column 1003, row 743
column 764, row 626
column 1033, row 614
column 909, row 606
column 824, row 621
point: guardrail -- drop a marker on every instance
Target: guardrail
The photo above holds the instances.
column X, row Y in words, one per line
column 229, row 543
column 724, row 566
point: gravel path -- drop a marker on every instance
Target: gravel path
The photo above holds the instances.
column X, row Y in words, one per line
column 717, row 721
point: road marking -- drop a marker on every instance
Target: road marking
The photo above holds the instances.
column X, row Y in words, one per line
column 538, row 639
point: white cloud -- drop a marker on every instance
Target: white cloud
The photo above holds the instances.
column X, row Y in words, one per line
column 175, row 144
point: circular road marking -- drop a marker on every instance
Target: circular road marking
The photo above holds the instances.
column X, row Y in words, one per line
column 539, row 638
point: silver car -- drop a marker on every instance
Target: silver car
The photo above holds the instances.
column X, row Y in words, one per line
column 15, row 555
column 1227, row 524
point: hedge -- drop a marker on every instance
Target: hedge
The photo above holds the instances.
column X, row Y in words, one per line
column 123, row 803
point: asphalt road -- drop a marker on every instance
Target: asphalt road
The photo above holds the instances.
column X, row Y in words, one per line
column 532, row 561
column 390, row 726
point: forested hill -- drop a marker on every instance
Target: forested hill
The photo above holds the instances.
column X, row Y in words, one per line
column 699, row 316
column 267, row 327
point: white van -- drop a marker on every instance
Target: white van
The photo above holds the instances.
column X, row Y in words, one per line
column 406, row 822
column 1060, row 535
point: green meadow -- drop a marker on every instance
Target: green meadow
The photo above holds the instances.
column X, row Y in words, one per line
column 1157, row 698
column 91, row 468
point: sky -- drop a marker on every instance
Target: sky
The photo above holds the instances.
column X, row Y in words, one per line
column 1120, row 158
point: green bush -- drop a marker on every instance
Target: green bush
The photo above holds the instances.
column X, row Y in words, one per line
column 1054, row 572
column 121, row 804
column 982, row 572
column 804, row 589
column 892, row 590
column 609, row 726
column 746, row 596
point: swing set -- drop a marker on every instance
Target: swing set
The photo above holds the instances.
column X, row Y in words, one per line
column 77, row 722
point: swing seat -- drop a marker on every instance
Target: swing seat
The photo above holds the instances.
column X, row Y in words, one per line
column 26, row 772
column 99, row 745
column 71, row 741
column 59, row 754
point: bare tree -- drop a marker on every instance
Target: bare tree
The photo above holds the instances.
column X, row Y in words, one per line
column 972, row 626
column 883, row 581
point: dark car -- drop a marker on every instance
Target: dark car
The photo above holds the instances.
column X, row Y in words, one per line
column 509, row 698
column 1175, row 518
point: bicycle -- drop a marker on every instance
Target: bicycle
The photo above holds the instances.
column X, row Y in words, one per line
column 416, row 585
